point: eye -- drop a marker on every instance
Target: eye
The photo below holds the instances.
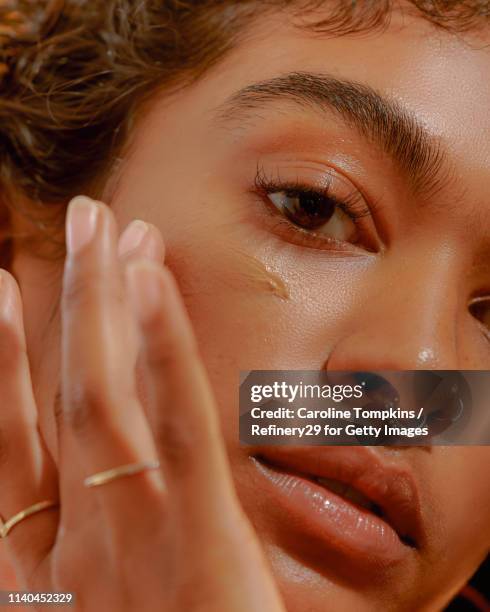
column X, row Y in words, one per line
column 480, row 309
column 316, row 212
column 317, row 207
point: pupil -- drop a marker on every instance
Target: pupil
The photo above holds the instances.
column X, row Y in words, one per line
column 308, row 209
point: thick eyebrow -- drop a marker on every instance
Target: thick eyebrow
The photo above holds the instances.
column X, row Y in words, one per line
column 385, row 122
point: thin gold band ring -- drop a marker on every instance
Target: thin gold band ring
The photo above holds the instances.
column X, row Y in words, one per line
column 23, row 514
column 102, row 478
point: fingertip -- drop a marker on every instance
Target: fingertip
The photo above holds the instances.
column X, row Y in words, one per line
column 81, row 223
column 156, row 244
column 141, row 240
column 132, row 237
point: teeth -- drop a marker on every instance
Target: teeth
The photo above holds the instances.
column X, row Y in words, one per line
column 347, row 492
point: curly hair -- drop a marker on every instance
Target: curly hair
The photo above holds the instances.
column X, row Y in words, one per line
column 74, row 73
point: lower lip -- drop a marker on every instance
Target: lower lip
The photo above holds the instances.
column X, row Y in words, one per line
column 355, row 533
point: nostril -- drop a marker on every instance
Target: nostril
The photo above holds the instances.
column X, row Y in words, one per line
column 480, row 309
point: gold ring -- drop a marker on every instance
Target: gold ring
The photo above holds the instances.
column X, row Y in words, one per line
column 101, row 478
column 23, row 514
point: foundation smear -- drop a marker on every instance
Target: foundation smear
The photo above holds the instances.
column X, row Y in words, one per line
column 257, row 274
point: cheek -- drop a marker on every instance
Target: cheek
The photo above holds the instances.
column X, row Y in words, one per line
column 460, row 482
column 258, row 303
column 260, row 309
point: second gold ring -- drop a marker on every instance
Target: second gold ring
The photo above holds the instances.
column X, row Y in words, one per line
column 130, row 469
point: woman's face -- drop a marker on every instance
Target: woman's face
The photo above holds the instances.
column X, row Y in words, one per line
column 379, row 276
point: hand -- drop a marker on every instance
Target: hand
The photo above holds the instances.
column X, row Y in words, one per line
column 173, row 539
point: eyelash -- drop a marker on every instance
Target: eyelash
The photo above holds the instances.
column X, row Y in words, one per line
column 352, row 206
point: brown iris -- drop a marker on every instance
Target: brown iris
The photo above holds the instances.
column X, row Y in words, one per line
column 307, row 209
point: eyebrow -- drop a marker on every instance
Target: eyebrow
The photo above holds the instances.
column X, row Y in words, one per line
column 379, row 119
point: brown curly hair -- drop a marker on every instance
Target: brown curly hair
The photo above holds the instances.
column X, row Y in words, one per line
column 74, row 73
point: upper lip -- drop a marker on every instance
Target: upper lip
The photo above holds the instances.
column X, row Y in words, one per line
column 389, row 486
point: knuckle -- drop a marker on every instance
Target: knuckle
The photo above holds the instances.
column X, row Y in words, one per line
column 178, row 442
column 160, row 357
column 164, row 347
column 80, row 290
column 85, row 407
column 74, row 285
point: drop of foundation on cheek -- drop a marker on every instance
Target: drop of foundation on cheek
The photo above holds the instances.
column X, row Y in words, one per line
column 255, row 272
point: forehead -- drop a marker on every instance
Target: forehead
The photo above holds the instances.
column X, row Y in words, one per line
column 442, row 78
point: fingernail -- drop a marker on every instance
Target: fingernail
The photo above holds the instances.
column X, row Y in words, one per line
column 132, row 237
column 145, row 288
column 81, row 223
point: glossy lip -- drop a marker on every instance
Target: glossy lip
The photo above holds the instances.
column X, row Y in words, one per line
column 355, row 532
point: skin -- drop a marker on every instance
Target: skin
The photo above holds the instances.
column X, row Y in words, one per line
column 403, row 307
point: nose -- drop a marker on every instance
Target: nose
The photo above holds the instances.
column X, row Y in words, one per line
column 406, row 321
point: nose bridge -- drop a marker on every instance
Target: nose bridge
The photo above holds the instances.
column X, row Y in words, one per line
column 409, row 321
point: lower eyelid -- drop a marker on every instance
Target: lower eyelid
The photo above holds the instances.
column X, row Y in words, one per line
column 263, row 186
column 286, row 230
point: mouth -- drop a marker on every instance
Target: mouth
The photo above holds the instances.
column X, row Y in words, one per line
column 361, row 507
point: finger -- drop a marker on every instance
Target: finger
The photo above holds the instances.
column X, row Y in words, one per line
column 27, row 473
column 102, row 416
column 141, row 240
column 181, row 403
column 210, row 527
